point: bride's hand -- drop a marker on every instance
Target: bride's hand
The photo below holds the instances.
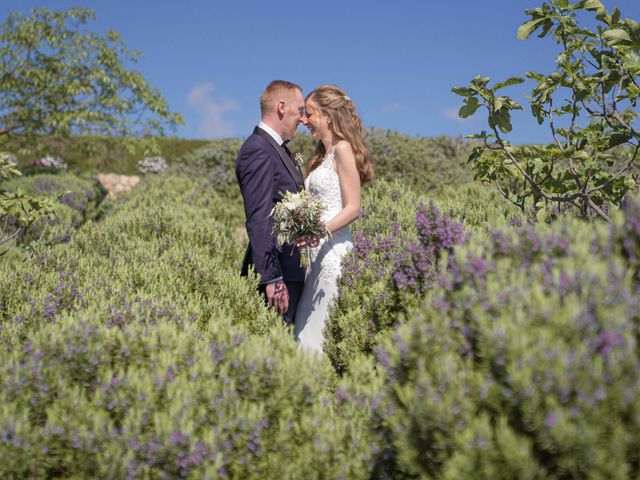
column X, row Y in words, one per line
column 307, row 241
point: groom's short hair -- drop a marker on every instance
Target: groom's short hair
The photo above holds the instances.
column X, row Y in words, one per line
column 273, row 91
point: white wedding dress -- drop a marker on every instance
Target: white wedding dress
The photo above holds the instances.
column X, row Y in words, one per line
column 320, row 287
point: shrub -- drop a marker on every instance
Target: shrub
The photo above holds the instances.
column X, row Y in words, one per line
column 155, row 245
column 215, row 162
column 160, row 398
column 130, row 352
column 78, row 200
column 522, row 361
column 152, row 165
column 397, row 243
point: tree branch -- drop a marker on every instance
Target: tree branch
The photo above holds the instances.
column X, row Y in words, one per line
column 617, row 174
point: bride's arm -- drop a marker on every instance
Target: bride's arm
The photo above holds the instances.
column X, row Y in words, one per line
column 345, row 163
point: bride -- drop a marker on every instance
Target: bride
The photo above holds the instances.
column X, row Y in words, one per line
column 335, row 173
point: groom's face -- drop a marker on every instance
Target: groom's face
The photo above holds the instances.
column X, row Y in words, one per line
column 293, row 115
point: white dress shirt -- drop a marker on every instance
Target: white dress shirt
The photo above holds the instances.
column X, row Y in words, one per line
column 271, row 132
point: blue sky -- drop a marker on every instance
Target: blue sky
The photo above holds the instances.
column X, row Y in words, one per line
column 397, row 60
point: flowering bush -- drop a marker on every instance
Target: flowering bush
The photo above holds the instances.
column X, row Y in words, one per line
column 396, row 247
column 152, row 165
column 54, row 163
column 137, row 349
column 150, row 397
column 522, row 360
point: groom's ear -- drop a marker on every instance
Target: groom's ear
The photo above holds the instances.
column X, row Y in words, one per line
column 281, row 108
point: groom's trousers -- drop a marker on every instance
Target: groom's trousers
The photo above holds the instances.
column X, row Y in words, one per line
column 295, row 290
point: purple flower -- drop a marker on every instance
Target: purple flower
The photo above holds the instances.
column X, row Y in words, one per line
column 551, row 420
column 176, row 437
column 341, row 394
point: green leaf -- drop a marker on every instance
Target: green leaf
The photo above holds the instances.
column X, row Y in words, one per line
column 527, row 28
column 469, row 108
column 502, row 119
column 617, row 36
column 508, row 82
column 581, row 155
column 463, row 91
column 482, row 134
column 618, row 138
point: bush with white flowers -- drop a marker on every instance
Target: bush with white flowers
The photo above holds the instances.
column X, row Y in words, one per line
column 152, row 165
column 49, row 161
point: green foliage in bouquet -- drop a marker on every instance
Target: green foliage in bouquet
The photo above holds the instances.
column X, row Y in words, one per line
column 589, row 104
column 523, row 360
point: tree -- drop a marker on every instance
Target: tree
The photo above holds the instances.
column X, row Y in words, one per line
column 60, row 82
column 589, row 104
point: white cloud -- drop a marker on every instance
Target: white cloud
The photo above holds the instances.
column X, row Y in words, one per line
column 213, row 124
column 452, row 114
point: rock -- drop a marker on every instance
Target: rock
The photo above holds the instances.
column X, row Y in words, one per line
column 116, row 184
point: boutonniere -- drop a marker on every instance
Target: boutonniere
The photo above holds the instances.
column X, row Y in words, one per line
column 299, row 160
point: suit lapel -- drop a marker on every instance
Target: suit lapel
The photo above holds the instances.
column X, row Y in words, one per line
column 284, row 156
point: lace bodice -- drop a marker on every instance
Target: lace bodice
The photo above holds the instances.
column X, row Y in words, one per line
column 324, row 183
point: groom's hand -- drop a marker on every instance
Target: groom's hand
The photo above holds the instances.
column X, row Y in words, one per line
column 278, row 296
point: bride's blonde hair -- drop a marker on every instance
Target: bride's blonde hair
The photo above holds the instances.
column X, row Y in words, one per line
column 345, row 124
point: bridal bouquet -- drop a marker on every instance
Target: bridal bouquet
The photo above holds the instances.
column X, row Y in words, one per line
column 298, row 215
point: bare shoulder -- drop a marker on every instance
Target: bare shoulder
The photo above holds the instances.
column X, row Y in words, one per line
column 343, row 150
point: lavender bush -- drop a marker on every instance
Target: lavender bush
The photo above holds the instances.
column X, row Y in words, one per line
column 397, row 244
column 522, row 361
column 147, row 398
column 137, row 350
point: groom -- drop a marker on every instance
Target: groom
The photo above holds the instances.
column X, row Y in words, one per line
column 264, row 168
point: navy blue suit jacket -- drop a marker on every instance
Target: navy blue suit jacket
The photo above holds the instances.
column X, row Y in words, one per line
column 264, row 169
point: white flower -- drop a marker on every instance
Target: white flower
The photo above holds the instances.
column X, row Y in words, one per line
column 152, row 165
column 299, row 159
column 52, row 162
